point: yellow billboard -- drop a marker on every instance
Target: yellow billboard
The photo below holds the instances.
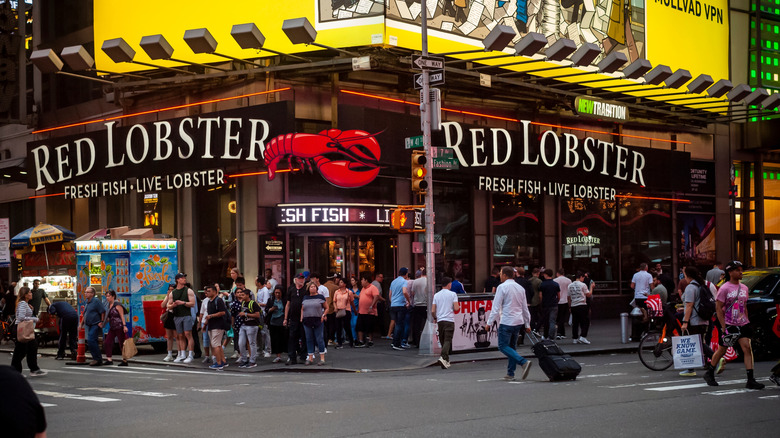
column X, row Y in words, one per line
column 339, row 23
column 689, row 34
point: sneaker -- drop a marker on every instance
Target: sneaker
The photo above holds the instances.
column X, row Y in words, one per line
column 308, row 362
column 406, row 346
column 509, row 378
column 59, row 358
column 216, row 366
column 444, row 363
column 266, row 354
column 559, row 337
column 359, row 344
column 178, row 359
column 370, row 343
column 243, row 364
column 687, row 373
column 339, row 347
column 396, row 348
column 235, row 355
column 224, row 364
column 575, row 341
column 774, row 378
column 207, row 359
column 188, row 359
column 709, row 377
column 168, row 358
column 251, row 365
column 276, row 360
column 751, row 384
column 721, row 365
column 584, row 340
column 526, row 369
column 38, row 373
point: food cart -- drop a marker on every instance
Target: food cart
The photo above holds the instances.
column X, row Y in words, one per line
column 139, row 271
column 47, row 255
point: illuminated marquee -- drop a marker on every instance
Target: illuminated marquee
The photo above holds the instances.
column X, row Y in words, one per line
column 338, row 215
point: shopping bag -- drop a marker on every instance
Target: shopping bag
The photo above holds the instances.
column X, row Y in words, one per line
column 25, row 331
column 128, row 349
column 687, row 352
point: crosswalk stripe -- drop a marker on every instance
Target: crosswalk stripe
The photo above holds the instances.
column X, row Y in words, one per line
column 129, row 392
column 76, row 396
column 585, row 376
column 769, row 396
column 729, row 391
column 692, row 385
column 48, row 405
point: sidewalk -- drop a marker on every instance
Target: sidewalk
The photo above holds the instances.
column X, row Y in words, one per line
column 604, row 336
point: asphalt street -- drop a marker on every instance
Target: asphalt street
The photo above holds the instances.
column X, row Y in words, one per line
column 614, row 396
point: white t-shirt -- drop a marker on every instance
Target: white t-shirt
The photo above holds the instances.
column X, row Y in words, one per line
column 642, row 281
column 444, row 300
column 263, row 295
column 577, row 291
column 322, row 290
column 204, row 311
column 563, row 283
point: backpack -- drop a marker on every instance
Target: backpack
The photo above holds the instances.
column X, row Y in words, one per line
column 706, row 307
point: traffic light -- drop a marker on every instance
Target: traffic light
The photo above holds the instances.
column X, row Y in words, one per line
column 419, row 185
column 402, row 219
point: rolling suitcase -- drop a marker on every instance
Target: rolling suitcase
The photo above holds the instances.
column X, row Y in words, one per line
column 556, row 364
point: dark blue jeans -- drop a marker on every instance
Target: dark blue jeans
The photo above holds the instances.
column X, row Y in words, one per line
column 399, row 314
column 93, row 331
column 68, row 334
column 507, row 340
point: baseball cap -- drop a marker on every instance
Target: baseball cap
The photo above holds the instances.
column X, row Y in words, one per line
column 403, row 271
column 180, row 275
column 300, row 276
column 732, row 265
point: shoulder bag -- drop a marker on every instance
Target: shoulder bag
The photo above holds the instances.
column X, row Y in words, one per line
column 25, row 331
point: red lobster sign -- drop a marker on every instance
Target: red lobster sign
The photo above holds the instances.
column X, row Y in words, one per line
column 346, row 159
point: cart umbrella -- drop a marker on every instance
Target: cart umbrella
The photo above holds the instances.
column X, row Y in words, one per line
column 42, row 234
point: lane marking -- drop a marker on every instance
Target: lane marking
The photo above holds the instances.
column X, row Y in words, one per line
column 130, row 392
column 769, row 396
column 601, row 375
column 76, row 396
column 210, row 390
column 697, row 385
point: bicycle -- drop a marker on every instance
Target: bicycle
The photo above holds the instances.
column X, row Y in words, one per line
column 7, row 329
column 655, row 347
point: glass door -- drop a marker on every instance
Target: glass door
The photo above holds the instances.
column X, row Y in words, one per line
column 327, row 255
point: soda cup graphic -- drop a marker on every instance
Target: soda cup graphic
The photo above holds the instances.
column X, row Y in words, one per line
column 152, row 312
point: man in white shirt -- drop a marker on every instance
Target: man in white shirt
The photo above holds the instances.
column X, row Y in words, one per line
column 205, row 333
column 264, row 289
column 511, row 303
column 563, row 302
column 445, row 304
column 641, row 283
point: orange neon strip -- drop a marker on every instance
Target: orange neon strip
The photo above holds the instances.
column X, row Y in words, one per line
column 508, row 119
column 652, row 198
column 238, row 175
column 223, row 99
column 46, row 196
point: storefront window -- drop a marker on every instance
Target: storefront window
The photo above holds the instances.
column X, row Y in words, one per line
column 453, row 205
column 645, row 230
column 216, row 233
column 590, row 238
column 517, row 237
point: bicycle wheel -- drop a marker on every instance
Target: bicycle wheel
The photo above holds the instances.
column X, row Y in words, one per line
column 655, row 353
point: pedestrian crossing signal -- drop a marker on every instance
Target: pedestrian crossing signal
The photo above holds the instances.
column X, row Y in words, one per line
column 402, row 220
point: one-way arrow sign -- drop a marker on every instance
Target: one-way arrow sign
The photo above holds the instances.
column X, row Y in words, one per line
column 435, row 78
column 425, row 62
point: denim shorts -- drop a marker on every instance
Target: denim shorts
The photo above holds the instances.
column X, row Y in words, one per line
column 183, row 323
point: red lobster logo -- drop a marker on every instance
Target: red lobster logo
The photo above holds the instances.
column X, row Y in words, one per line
column 346, row 159
column 582, row 231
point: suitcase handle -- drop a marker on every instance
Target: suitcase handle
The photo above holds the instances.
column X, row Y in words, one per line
column 532, row 337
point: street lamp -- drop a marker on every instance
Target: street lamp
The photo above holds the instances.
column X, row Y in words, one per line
column 119, row 51
column 248, row 36
column 78, row 59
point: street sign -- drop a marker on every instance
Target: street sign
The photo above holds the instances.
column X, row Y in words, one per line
column 420, row 62
column 444, row 158
column 434, row 78
column 413, row 142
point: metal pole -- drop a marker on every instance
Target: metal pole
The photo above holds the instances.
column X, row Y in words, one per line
column 426, row 343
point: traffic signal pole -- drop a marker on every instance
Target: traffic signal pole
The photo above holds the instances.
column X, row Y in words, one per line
column 428, row 338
